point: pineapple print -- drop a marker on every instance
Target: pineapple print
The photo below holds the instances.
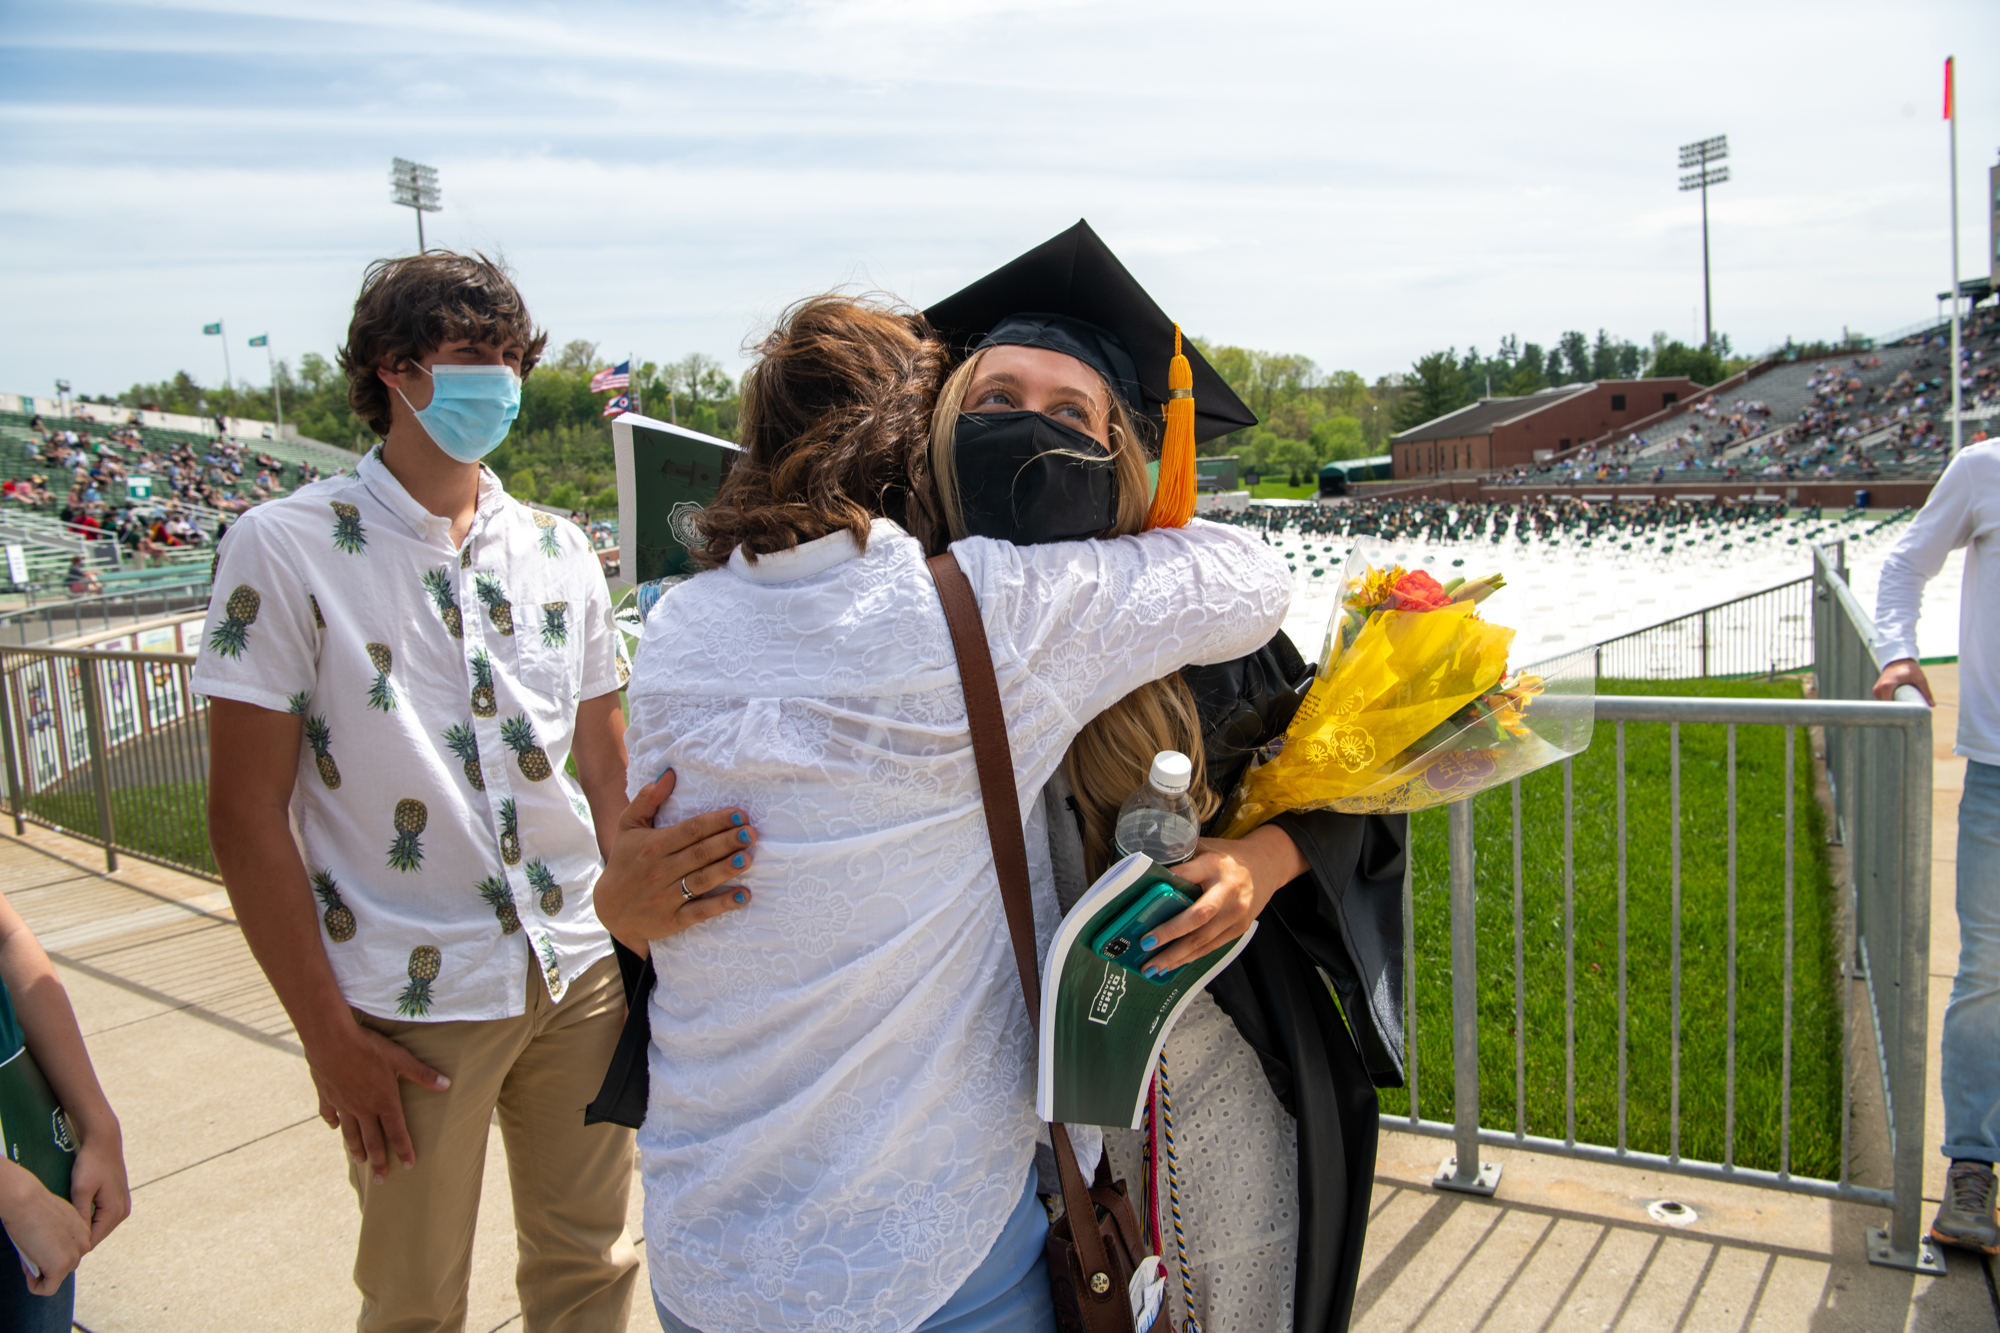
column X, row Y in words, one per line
column 494, row 890
column 483, row 702
column 494, row 598
column 320, row 737
column 465, row 556
column 338, row 918
column 406, row 853
column 295, row 704
column 239, row 613
column 438, row 584
column 510, row 833
column 547, row 540
column 381, row 695
column 544, row 884
column 555, row 624
column 519, row 735
column 425, row 964
column 318, row 619
column 466, row 746
column 549, row 968
column 348, row 535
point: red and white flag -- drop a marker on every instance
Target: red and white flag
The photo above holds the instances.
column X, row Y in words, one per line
column 621, row 403
column 612, row 377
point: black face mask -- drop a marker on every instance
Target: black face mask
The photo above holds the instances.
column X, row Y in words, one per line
column 1027, row 479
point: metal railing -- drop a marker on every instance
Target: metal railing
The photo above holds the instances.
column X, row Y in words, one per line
column 1879, row 756
column 106, row 610
column 1759, row 633
column 109, row 747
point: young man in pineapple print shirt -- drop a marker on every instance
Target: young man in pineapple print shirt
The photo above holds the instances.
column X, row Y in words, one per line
column 401, row 663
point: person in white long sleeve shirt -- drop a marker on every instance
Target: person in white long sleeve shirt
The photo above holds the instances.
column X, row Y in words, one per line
column 840, row 1129
column 1964, row 511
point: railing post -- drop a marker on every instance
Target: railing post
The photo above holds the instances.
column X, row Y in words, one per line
column 1903, row 1244
column 1465, row 1173
column 15, row 803
column 100, row 758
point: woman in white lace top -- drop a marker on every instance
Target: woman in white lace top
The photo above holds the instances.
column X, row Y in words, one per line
column 840, row 1130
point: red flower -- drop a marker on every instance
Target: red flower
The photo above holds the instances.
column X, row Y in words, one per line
column 1418, row 591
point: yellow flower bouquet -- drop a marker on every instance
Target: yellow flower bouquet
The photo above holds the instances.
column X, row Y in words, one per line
column 1413, row 705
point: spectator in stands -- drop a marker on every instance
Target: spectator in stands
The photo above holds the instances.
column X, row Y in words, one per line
column 81, row 582
column 52, row 1231
column 1964, row 511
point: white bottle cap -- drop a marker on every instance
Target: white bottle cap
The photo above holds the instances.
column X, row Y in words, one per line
column 1172, row 771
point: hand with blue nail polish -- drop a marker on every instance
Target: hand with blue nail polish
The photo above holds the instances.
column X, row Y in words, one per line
column 658, row 882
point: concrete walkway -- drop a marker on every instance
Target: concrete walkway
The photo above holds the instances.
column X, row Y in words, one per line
column 242, row 1218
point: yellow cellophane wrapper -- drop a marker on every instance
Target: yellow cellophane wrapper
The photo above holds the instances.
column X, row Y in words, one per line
column 1406, row 672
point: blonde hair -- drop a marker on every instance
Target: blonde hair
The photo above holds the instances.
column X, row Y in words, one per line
column 1113, row 754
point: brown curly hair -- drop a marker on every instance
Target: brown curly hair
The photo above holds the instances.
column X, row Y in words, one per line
column 835, row 428
column 411, row 306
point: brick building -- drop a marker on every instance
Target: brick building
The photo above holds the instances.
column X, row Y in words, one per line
column 1497, row 433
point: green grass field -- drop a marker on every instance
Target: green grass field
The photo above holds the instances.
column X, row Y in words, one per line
column 1277, row 490
column 1815, row 1100
column 168, row 821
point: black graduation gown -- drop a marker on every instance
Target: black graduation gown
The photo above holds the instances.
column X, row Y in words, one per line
column 1343, row 918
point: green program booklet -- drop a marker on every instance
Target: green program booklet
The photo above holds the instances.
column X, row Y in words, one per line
column 34, row 1132
column 1102, row 1026
column 666, row 475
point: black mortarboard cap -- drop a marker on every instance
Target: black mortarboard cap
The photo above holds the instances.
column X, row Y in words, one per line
column 1071, row 295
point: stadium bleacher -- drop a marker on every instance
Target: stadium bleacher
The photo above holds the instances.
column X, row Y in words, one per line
column 47, row 475
column 1879, row 413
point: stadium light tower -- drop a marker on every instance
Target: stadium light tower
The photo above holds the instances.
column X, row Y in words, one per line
column 414, row 186
column 1699, row 155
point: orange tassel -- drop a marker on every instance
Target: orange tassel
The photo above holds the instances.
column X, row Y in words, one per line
column 1173, row 499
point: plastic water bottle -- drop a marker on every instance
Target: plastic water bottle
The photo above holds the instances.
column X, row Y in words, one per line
column 1158, row 819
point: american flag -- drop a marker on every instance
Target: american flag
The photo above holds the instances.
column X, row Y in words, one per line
column 612, row 377
column 619, row 404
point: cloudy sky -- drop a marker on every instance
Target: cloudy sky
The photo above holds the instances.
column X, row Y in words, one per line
column 1360, row 184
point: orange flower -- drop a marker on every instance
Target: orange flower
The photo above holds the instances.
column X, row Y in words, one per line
column 1418, row 591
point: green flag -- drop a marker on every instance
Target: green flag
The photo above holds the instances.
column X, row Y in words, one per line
column 261, row 340
column 212, row 329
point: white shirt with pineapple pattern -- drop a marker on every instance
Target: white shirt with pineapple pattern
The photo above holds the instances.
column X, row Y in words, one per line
column 439, row 688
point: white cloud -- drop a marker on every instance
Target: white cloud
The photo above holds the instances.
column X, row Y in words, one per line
column 1344, row 181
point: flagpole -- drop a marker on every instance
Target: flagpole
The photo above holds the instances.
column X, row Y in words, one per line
column 632, row 385
column 228, row 376
column 1957, row 371
column 277, row 394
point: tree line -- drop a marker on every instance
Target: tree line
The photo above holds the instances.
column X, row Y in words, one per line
column 559, row 451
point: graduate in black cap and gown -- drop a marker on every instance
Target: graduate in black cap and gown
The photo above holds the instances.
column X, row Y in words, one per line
column 1047, row 431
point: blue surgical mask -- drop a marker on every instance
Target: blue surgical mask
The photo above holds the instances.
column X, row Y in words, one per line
column 471, row 408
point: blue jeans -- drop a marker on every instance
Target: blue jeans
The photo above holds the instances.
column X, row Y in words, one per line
column 1007, row 1293
column 1970, row 1069
column 21, row 1311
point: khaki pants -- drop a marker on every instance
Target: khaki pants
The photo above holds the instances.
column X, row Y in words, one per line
column 576, row 1269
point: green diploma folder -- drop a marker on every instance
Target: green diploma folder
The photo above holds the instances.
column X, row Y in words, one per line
column 1102, row 1026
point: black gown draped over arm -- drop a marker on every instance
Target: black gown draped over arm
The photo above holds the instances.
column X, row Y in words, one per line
column 1335, row 931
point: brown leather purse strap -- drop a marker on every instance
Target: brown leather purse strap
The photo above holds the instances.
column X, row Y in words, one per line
column 994, row 760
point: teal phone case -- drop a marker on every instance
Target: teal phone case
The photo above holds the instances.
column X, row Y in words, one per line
column 1158, row 898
